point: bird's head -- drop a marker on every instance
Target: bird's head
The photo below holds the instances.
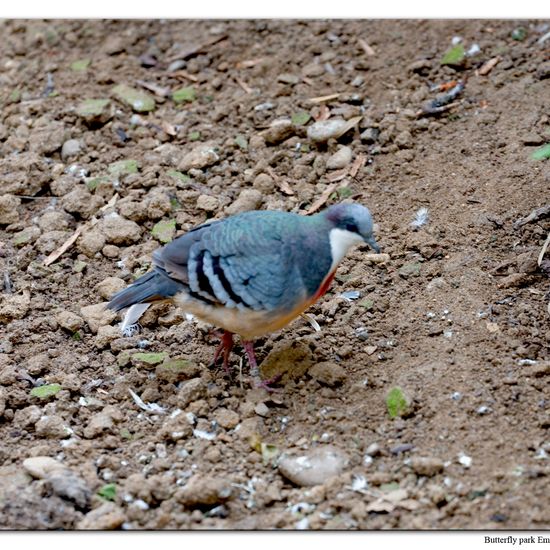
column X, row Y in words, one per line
column 351, row 224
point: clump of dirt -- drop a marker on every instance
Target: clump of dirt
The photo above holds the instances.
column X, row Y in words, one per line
column 117, row 135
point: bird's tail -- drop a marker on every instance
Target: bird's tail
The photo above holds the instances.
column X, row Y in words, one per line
column 152, row 287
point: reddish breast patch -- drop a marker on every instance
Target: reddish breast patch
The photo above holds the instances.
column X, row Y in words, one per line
column 324, row 286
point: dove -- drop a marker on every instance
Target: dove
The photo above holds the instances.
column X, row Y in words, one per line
column 250, row 274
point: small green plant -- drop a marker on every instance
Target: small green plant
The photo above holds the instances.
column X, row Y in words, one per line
column 396, row 403
column 107, row 492
column 45, row 391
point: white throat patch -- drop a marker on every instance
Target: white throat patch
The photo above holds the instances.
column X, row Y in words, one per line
column 341, row 240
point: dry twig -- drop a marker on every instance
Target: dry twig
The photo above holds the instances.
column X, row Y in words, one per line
column 325, row 195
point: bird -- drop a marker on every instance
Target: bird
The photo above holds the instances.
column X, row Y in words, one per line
column 250, row 274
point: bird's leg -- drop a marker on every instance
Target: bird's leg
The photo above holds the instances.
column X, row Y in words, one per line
column 225, row 345
column 248, row 346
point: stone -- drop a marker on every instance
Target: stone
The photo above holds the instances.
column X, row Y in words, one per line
column 144, row 360
column 177, row 370
column 323, row 130
column 8, row 209
column 50, row 241
column 52, row 426
column 54, row 220
column 48, row 138
column 204, row 491
column 110, row 286
column 314, row 467
column 118, row 230
column 81, row 201
column 139, row 100
column 201, row 156
column 14, row 306
column 426, row 465
column 289, row 360
column 103, row 422
column 123, row 167
column 105, row 335
column 248, row 199
column 208, row 203
column 69, row 321
column 164, row 231
column 226, row 418
column 70, row 149
column 190, row 391
column 340, row 159
column 97, row 315
column 2, row 401
column 95, row 111
column 328, row 373
column 404, row 139
column 264, row 184
column 107, row 517
column 28, row 236
column 91, row 242
column 278, row 131
column 176, row 427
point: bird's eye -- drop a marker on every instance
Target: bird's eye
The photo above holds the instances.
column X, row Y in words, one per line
column 351, row 226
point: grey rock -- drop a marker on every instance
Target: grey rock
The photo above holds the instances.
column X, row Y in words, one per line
column 8, row 209
column 340, row 159
column 328, row 373
column 248, row 199
column 70, row 149
column 204, row 491
column 314, row 467
column 426, row 465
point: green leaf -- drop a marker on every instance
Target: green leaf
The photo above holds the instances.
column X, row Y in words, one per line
column 183, row 178
column 139, row 100
column 194, row 136
column 300, row 118
column 80, row 65
column 186, row 94
column 148, row 359
column 454, row 56
column 164, row 231
column 76, row 336
column 45, row 391
column 542, row 153
column 396, row 403
column 107, row 492
column 344, row 192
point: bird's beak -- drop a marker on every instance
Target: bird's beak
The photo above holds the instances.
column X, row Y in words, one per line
column 373, row 244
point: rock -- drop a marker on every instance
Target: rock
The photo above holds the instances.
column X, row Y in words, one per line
column 204, row 491
column 191, row 391
column 201, row 156
column 264, row 184
column 118, row 230
column 328, row 373
column 2, row 401
column 91, row 242
column 370, row 135
column 81, row 201
column 289, row 360
column 411, row 269
column 288, row 78
column 123, row 167
column 340, row 159
column 69, row 321
column 404, row 139
column 426, row 465
column 313, row 69
column 226, row 418
column 97, row 315
column 249, row 199
column 164, row 231
column 157, row 204
column 314, row 467
column 139, row 100
column 261, row 409
column 107, row 517
column 323, row 130
column 63, row 481
column 177, row 369
column 52, row 426
column 105, row 335
column 373, row 449
column 14, row 306
column 103, row 422
column 71, row 148
column 50, row 241
column 176, row 427
column 278, row 131
column 54, row 221
column 63, row 185
column 208, row 203
column 142, row 360
column 8, row 209
column 95, row 111
column 110, row 286
column 28, row 236
column 111, row 251
column 48, row 138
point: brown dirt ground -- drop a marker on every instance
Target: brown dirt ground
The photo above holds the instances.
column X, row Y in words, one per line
column 457, row 317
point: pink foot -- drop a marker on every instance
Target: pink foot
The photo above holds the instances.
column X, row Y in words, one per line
column 225, row 346
column 255, row 371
